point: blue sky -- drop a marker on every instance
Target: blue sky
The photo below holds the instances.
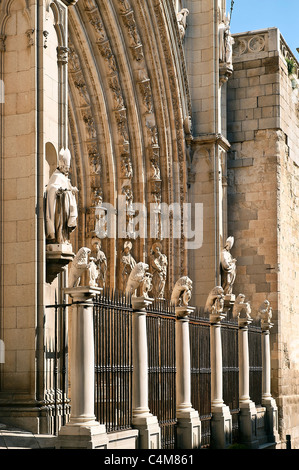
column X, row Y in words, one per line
column 259, row 14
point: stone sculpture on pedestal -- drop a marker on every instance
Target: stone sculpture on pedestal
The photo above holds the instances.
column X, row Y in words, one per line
column 228, row 267
column 101, row 263
column 61, row 204
column 127, row 263
column 159, row 265
column 182, row 291
column 83, row 265
column 139, row 280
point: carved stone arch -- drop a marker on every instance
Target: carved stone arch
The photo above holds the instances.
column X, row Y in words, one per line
column 59, row 24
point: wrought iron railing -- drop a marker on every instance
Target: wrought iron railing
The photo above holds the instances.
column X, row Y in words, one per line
column 113, row 360
column 201, row 372
column 161, row 322
column 56, row 366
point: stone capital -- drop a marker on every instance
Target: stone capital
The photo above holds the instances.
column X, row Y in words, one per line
column 184, row 311
column 82, row 293
column 140, row 303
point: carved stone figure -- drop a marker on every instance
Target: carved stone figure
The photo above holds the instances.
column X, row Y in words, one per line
column 159, row 265
column 127, row 263
column 79, row 266
column 226, row 42
column 61, row 204
column 228, row 267
column 101, row 263
column 182, row 21
column 265, row 312
column 215, row 299
column 138, row 279
column 241, row 308
column 182, row 291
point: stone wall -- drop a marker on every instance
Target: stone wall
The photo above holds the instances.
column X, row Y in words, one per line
column 263, row 199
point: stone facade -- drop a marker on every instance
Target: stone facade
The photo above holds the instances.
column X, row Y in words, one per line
column 263, row 196
column 146, row 98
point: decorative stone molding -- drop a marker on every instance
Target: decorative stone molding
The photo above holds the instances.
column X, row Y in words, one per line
column 62, row 55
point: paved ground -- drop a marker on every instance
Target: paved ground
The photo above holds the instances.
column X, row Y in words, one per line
column 14, row 438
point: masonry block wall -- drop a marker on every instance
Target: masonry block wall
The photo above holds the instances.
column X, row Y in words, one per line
column 263, row 199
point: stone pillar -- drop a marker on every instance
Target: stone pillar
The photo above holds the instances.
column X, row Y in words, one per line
column 188, row 422
column 248, row 413
column 82, row 431
column 267, row 401
column 143, row 420
column 221, row 424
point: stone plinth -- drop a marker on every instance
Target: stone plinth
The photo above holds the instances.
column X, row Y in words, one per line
column 58, row 257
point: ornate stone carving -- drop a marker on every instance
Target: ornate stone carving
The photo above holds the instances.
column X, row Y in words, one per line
column 215, row 298
column 159, row 263
column 127, row 263
column 182, row 292
column 139, row 280
column 30, row 36
column 182, row 21
column 61, row 204
column 101, row 262
column 265, row 314
column 241, row 309
column 228, row 267
column 62, row 55
column 83, row 265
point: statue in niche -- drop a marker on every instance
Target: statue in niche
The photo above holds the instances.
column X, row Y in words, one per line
column 226, row 42
column 228, row 267
column 182, row 21
column 159, row 265
column 127, row 263
column 101, row 262
column 61, row 204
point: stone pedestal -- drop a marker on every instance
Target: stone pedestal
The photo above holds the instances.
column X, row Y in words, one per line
column 58, row 256
column 221, row 423
column 82, row 431
column 188, row 422
column 142, row 419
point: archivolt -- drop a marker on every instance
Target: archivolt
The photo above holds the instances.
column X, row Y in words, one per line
column 127, row 104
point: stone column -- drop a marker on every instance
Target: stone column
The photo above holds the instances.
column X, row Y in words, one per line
column 188, row 422
column 82, row 431
column 267, row 400
column 143, row 420
column 221, row 424
column 248, row 413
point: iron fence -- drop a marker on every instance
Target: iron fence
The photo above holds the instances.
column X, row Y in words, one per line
column 230, row 367
column 161, row 322
column 199, row 328
column 56, row 366
column 113, row 360
column 255, row 362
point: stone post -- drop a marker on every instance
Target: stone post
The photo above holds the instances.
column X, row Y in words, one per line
column 248, row 412
column 188, row 422
column 221, row 423
column 143, row 420
column 267, row 401
column 82, row 431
